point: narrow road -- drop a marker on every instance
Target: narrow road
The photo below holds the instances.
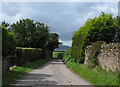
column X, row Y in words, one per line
column 52, row 73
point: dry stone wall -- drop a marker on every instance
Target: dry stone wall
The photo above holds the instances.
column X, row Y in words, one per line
column 109, row 56
column 87, row 53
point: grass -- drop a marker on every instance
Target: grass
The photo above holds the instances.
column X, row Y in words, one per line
column 19, row 71
column 96, row 76
column 55, row 54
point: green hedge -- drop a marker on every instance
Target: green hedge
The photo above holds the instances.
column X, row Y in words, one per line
column 8, row 42
column 67, row 55
column 12, row 44
column 47, row 54
column 26, row 55
column 102, row 28
column 5, row 41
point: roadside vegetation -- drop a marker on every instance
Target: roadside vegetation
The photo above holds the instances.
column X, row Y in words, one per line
column 95, row 32
column 27, row 34
column 27, row 45
column 96, row 76
column 58, row 54
column 31, row 45
column 19, row 71
column 101, row 28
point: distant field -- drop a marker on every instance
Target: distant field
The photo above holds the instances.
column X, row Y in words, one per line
column 57, row 54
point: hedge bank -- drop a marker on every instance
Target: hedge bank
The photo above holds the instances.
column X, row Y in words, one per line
column 96, row 76
column 102, row 28
column 26, row 55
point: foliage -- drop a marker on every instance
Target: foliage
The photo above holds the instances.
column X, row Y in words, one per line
column 96, row 76
column 5, row 24
column 26, row 55
column 118, row 30
column 12, row 44
column 94, row 51
column 46, row 54
column 18, row 72
column 24, row 30
column 30, row 34
column 102, row 28
column 8, row 41
column 53, row 41
column 41, row 37
column 26, row 33
column 5, row 40
column 67, row 55
column 117, row 36
column 58, row 54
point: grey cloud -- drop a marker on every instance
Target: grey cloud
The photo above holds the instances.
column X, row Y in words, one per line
column 10, row 8
column 61, row 17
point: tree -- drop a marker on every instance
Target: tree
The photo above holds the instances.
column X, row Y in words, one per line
column 52, row 42
column 23, row 30
column 36, row 35
column 102, row 28
column 41, row 35
column 30, row 34
column 5, row 24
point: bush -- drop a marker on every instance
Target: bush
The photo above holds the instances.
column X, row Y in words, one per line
column 26, row 55
column 5, row 40
column 67, row 55
column 102, row 28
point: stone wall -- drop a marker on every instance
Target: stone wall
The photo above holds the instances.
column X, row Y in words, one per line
column 87, row 53
column 109, row 56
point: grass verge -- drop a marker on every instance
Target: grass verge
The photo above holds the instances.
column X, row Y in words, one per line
column 19, row 71
column 96, row 76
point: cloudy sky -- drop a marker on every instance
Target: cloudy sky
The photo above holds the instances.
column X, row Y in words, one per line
column 63, row 18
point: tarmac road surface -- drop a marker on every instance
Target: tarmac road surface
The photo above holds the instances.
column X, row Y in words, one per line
column 52, row 73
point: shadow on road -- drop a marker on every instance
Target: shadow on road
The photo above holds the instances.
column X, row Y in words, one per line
column 31, row 79
column 35, row 78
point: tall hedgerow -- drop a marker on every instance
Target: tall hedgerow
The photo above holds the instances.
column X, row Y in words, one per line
column 12, row 44
column 5, row 40
column 102, row 28
column 8, row 40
